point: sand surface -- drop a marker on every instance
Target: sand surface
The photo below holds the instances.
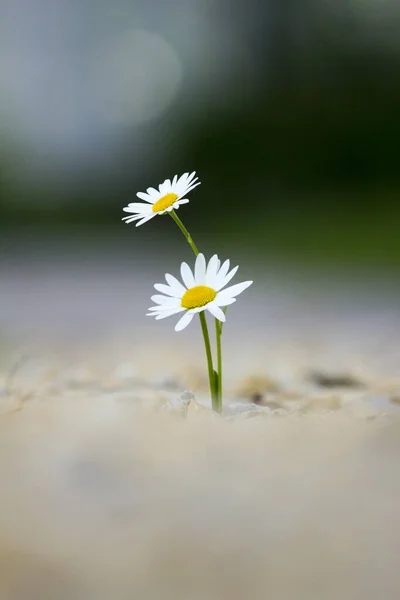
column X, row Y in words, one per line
column 115, row 486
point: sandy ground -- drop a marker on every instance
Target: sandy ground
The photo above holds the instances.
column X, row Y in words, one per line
column 114, row 487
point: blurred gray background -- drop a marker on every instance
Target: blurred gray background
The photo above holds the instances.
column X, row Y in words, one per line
column 288, row 111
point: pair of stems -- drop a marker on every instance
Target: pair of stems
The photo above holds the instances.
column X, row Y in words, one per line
column 215, row 377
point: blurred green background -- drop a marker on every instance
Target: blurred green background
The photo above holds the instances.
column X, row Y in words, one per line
column 288, row 111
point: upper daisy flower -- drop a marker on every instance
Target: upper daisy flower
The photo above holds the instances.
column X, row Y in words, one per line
column 201, row 290
column 170, row 195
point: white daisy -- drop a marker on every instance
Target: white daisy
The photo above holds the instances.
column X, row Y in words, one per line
column 201, row 290
column 170, row 195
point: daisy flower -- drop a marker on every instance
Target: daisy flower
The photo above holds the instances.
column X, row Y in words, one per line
column 200, row 290
column 169, row 195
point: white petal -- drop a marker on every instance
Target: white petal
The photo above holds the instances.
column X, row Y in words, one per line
column 234, row 290
column 191, row 176
column 153, row 193
column 187, row 180
column 216, row 311
column 179, row 185
column 131, row 219
column 184, row 321
column 169, row 209
column 145, row 219
column 138, row 207
column 145, row 197
column 171, row 303
column 221, row 282
column 169, row 313
column 187, row 275
column 164, row 188
column 224, row 269
column 212, row 269
column 134, row 216
column 200, row 269
column 183, row 178
column 189, row 188
column 175, row 284
column 221, row 302
column 183, row 201
column 158, row 299
column 198, row 309
column 166, row 289
column 182, row 184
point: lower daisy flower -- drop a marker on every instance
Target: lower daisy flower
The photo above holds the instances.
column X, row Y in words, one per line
column 169, row 196
column 200, row 290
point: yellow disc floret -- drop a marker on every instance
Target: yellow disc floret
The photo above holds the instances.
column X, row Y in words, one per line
column 164, row 202
column 197, row 296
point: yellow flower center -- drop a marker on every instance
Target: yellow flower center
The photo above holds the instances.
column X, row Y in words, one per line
column 164, row 202
column 197, row 296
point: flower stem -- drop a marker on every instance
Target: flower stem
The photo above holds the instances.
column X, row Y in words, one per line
column 211, row 376
column 215, row 378
column 184, row 231
column 218, row 332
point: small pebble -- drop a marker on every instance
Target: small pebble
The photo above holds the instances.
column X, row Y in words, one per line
column 254, row 388
column 338, row 380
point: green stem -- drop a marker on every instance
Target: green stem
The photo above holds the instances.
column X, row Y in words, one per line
column 214, row 399
column 218, row 332
column 215, row 379
column 184, row 231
